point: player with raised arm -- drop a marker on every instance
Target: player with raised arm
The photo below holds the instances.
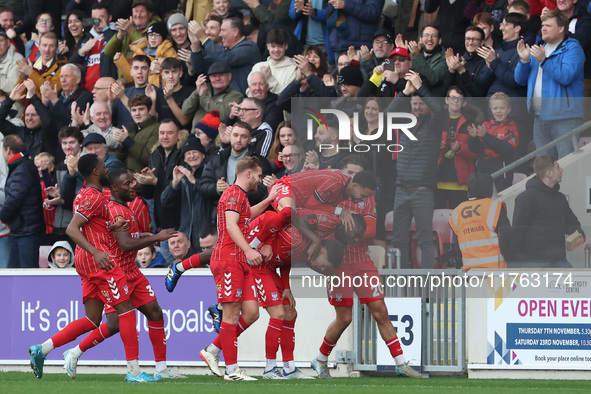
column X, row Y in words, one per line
column 143, row 298
column 103, row 281
column 357, row 263
column 230, row 261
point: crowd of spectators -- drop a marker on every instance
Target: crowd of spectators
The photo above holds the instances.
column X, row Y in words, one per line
column 179, row 94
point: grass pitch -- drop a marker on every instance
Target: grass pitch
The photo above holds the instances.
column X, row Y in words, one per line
column 21, row 382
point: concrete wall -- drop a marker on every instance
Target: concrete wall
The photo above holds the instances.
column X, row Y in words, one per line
column 577, row 167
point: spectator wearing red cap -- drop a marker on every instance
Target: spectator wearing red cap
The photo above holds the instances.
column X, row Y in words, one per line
column 388, row 79
column 206, row 131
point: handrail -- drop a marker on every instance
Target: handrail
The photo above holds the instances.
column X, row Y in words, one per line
column 571, row 134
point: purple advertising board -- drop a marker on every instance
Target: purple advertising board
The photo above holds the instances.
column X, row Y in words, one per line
column 37, row 304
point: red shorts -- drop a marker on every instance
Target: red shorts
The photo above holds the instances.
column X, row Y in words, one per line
column 284, row 191
column 108, row 286
column 140, row 293
column 233, row 281
column 269, row 287
column 364, row 280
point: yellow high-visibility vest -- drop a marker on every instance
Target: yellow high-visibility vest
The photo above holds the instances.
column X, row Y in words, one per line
column 474, row 222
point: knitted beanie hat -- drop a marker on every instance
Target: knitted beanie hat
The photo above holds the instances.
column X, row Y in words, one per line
column 209, row 124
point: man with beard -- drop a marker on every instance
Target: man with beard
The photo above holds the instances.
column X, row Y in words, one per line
column 142, row 295
column 220, row 171
column 103, row 281
column 383, row 44
column 428, row 60
column 416, row 169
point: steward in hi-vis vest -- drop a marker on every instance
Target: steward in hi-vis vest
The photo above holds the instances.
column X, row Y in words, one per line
column 476, row 225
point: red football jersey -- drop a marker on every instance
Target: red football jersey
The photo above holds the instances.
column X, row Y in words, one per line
column 126, row 260
column 322, row 224
column 141, row 211
column 359, row 251
column 280, row 241
column 232, row 200
column 312, row 188
column 92, row 205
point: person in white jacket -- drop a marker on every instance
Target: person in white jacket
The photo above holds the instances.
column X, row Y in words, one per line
column 278, row 68
column 8, row 57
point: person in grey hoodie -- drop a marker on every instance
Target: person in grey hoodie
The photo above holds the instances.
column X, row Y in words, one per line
column 61, row 255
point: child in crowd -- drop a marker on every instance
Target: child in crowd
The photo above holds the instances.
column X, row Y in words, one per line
column 156, row 47
column 149, row 258
column 496, row 139
column 61, row 255
column 456, row 161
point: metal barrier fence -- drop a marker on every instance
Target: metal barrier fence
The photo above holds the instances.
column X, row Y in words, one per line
column 443, row 331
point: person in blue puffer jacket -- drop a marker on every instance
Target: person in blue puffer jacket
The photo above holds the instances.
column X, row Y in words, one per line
column 553, row 73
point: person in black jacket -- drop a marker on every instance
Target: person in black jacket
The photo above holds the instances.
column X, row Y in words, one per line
column 158, row 176
column 468, row 71
column 23, row 206
column 39, row 132
column 416, row 169
column 452, row 19
column 542, row 218
column 70, row 93
column 220, row 171
column 182, row 192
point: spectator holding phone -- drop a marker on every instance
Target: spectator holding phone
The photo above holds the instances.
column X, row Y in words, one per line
column 388, row 78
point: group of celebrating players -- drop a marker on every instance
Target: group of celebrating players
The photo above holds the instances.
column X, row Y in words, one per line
column 324, row 218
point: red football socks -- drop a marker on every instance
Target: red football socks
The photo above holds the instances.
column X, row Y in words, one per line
column 72, row 331
column 288, row 339
column 394, row 346
column 192, row 262
column 158, row 339
column 272, row 337
column 327, row 347
column 229, row 342
column 240, row 328
column 95, row 337
column 129, row 335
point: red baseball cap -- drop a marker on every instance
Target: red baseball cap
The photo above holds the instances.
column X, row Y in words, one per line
column 400, row 51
